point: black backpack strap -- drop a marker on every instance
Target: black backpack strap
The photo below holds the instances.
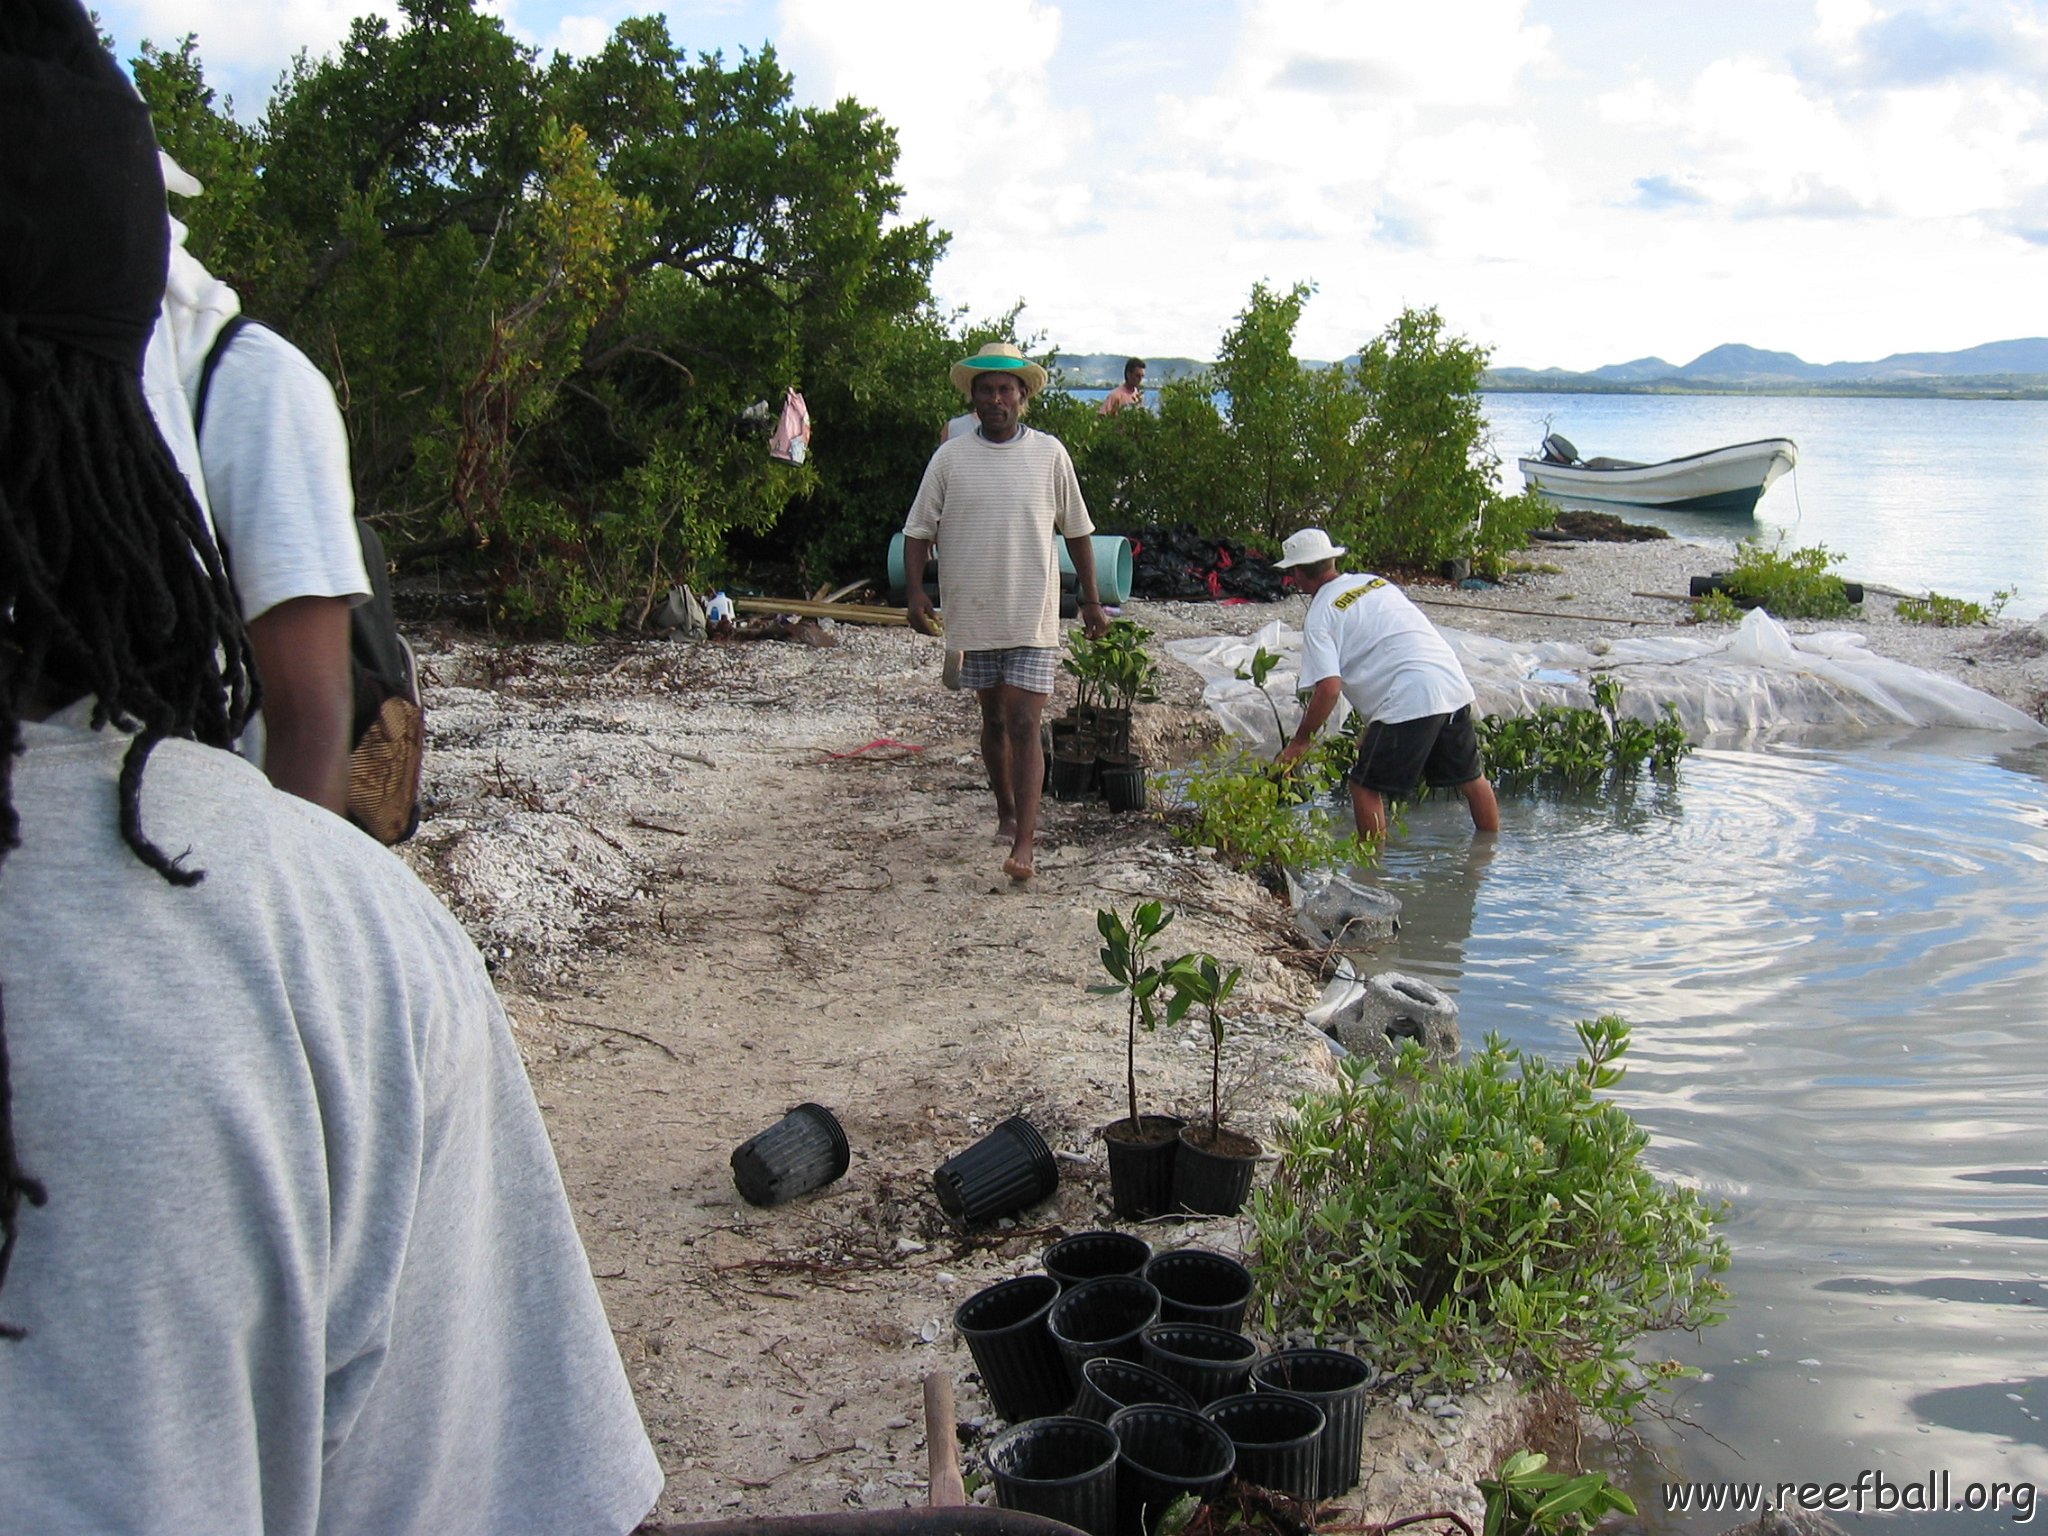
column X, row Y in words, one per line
column 228, row 333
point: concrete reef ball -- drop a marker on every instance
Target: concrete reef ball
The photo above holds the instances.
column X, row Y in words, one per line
column 1396, row 1008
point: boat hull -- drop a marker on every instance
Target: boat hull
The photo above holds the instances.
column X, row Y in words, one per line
column 1731, row 479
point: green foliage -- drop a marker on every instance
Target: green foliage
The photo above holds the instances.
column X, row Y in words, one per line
column 556, row 300
column 1127, row 954
column 1794, row 585
column 1579, row 747
column 1274, row 406
column 1524, row 1500
column 1423, row 481
column 1716, row 607
column 1494, row 1213
column 1954, row 612
column 1113, row 670
column 1246, row 811
column 1199, row 980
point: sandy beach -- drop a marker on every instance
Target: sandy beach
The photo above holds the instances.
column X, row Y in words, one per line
column 718, row 880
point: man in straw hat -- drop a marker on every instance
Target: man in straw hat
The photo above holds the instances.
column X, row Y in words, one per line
column 283, row 1246
column 993, row 501
column 1366, row 643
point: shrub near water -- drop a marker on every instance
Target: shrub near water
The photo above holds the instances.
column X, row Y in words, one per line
column 1484, row 1216
column 1797, row 585
column 1582, row 746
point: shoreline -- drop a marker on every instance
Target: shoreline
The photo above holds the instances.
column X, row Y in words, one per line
column 717, row 880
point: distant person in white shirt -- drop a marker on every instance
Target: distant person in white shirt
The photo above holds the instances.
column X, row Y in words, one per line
column 992, row 502
column 1366, row 643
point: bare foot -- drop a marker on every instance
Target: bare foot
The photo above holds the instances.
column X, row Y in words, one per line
column 1006, row 830
column 1017, row 869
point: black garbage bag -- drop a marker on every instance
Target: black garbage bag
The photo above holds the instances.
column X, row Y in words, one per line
column 1181, row 565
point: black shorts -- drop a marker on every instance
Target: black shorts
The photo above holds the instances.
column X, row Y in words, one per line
column 1394, row 758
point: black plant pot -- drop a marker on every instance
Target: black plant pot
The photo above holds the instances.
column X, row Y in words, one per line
column 1209, row 1362
column 1062, row 1468
column 1197, row 1285
column 1021, row 1368
column 1073, row 777
column 1162, row 1454
column 1213, row 1177
column 1141, row 1166
column 1091, row 1255
column 1123, row 785
column 1009, row 1168
column 1277, row 1436
column 1335, row 1382
column 1107, row 1385
column 805, row 1150
column 1101, row 1317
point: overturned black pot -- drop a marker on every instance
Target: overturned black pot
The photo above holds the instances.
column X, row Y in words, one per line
column 1141, row 1165
column 1022, row 1370
column 1091, row 1255
column 1062, row 1468
column 1212, row 1170
column 1009, row 1168
column 1198, row 1285
column 805, row 1150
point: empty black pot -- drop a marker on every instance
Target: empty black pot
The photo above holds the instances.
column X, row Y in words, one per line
column 805, row 1150
column 1101, row 1317
column 1091, row 1255
column 1108, row 1384
column 1277, row 1436
column 1198, row 1285
column 1209, row 1362
column 1336, row 1383
column 1009, row 1168
column 1163, row 1453
column 1021, row 1368
column 1064, row 1469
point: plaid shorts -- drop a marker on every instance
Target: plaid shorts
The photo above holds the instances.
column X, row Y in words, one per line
column 1029, row 667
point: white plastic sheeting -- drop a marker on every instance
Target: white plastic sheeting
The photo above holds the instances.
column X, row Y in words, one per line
column 1759, row 681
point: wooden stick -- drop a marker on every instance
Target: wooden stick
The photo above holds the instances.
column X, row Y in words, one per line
column 1538, row 613
column 942, row 1443
column 856, row 613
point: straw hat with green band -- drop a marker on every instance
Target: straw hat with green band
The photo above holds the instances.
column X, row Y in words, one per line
column 999, row 357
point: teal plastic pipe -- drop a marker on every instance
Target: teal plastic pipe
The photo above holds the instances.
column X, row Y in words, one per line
column 1112, row 566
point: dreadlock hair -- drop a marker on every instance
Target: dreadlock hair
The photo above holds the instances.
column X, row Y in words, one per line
column 110, row 588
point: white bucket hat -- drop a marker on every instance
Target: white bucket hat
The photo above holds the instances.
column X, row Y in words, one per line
column 1309, row 546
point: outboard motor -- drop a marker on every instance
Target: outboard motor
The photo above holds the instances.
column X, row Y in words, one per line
column 1558, row 450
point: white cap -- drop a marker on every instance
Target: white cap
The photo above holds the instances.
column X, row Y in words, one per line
column 1309, row 546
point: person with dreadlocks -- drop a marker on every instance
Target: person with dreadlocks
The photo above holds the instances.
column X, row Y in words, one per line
column 283, row 1246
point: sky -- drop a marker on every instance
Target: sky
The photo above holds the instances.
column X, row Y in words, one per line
column 1568, row 182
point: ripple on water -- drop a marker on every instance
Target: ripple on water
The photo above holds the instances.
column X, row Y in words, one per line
column 1834, row 965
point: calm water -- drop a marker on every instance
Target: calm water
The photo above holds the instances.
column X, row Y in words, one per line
column 1950, row 495
column 1833, row 961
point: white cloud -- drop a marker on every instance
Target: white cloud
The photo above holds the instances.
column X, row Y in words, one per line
column 238, row 38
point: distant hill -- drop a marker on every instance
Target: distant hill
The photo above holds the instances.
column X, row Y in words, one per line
column 1998, row 367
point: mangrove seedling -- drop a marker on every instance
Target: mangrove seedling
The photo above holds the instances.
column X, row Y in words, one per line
column 1255, row 672
column 1127, row 955
column 1201, row 980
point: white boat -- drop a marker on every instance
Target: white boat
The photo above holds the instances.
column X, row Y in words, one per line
column 1727, row 479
